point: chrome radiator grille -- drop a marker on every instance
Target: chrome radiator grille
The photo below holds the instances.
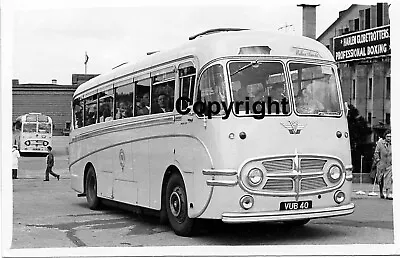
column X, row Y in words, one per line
column 295, row 174
column 312, row 183
column 279, row 185
column 277, row 166
column 312, row 165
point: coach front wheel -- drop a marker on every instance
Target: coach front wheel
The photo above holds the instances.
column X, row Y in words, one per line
column 91, row 190
column 177, row 207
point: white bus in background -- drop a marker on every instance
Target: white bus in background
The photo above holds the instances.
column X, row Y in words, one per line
column 130, row 144
column 33, row 133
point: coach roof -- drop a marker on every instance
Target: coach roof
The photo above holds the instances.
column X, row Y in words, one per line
column 208, row 47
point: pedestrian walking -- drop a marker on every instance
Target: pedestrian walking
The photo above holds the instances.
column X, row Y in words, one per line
column 14, row 166
column 50, row 164
column 383, row 157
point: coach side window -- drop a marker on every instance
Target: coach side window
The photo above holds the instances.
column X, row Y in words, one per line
column 106, row 100
column 90, row 110
column 78, row 112
column 124, row 101
column 142, row 97
column 162, row 91
column 187, row 77
column 212, row 87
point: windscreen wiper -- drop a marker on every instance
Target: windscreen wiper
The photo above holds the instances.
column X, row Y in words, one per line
column 254, row 63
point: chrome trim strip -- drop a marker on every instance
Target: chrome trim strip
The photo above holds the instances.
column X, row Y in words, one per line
column 241, row 217
column 125, row 180
column 142, row 139
column 212, row 182
column 122, row 125
column 293, row 174
column 105, row 171
column 178, row 117
column 188, row 172
column 312, row 176
column 219, row 172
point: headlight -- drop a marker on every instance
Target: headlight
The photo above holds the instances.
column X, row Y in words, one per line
column 28, row 142
column 255, row 176
column 334, row 174
column 45, row 143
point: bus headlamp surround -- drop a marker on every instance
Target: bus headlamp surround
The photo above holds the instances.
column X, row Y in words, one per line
column 339, row 197
column 246, row 202
column 255, row 176
column 45, row 143
column 334, row 174
column 28, row 142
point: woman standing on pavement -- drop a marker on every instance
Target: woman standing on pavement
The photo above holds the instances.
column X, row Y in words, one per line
column 14, row 166
column 383, row 157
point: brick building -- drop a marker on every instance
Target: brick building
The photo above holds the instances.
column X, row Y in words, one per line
column 52, row 99
column 360, row 42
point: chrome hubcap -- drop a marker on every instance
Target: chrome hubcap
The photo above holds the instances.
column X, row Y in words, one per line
column 175, row 202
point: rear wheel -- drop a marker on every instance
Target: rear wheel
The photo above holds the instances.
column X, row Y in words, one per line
column 177, row 207
column 91, row 190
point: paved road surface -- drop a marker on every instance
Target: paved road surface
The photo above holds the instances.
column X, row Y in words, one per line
column 48, row 214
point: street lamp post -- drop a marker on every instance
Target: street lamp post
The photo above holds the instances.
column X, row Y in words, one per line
column 361, row 192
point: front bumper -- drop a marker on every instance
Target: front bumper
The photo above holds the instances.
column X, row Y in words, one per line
column 242, row 217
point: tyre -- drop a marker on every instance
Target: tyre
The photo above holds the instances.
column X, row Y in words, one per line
column 177, row 207
column 297, row 223
column 91, row 190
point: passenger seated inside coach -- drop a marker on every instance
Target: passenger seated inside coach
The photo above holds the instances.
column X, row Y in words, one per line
column 277, row 92
column 123, row 111
column 106, row 114
column 143, row 106
column 255, row 92
column 306, row 104
column 91, row 116
column 161, row 106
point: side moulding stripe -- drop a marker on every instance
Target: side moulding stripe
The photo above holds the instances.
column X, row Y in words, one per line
column 142, row 139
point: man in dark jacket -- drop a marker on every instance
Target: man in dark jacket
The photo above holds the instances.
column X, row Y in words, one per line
column 50, row 164
column 162, row 104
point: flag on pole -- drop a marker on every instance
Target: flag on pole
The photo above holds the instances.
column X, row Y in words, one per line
column 86, row 58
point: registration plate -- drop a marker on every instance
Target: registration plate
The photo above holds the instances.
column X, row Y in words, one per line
column 300, row 205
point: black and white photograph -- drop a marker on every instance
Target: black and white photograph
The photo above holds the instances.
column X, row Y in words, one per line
column 176, row 129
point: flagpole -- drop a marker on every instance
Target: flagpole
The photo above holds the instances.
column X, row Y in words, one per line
column 86, row 59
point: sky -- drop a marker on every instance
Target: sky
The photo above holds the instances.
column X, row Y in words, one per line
column 49, row 40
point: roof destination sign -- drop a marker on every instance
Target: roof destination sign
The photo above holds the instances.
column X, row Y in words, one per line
column 362, row 44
